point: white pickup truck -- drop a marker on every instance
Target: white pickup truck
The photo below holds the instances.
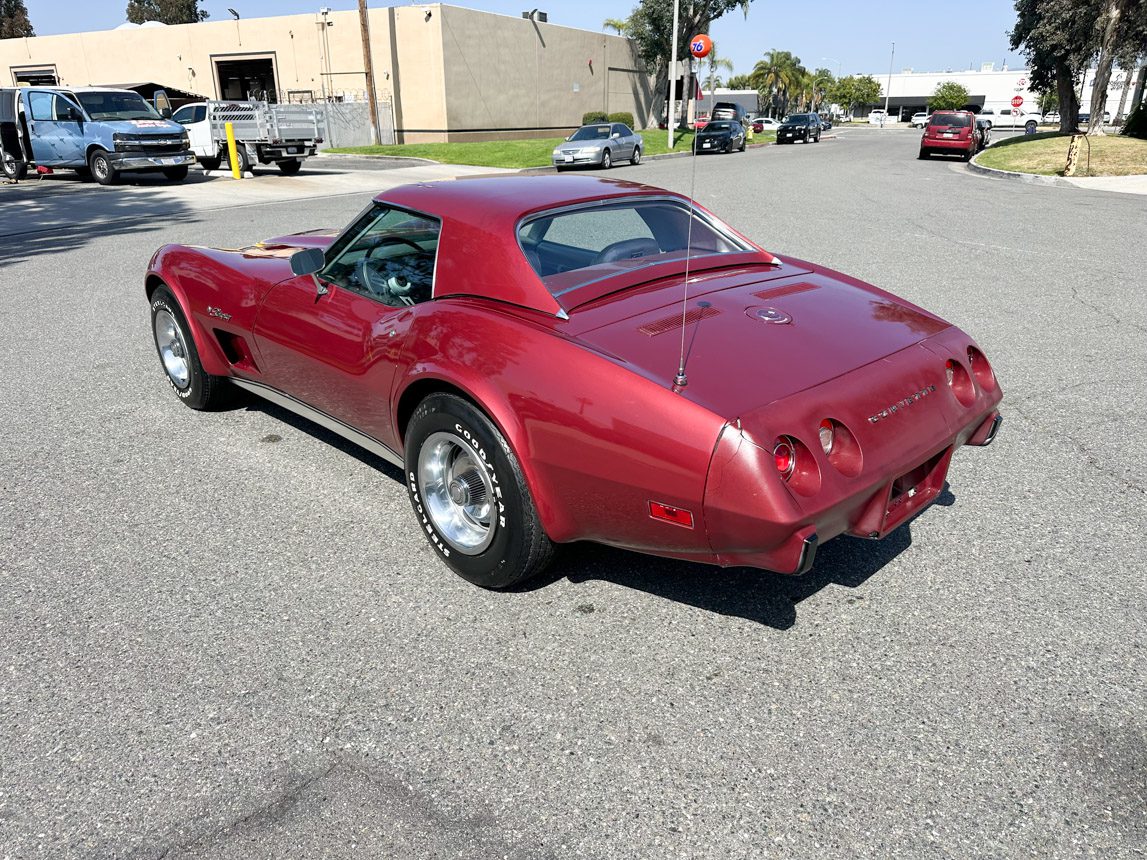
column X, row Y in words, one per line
column 1005, row 117
column 280, row 134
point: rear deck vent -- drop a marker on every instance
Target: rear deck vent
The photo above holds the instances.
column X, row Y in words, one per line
column 777, row 292
column 673, row 323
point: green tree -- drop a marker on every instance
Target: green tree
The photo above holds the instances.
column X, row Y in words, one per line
column 165, row 11
column 948, row 95
column 776, row 77
column 851, row 92
column 14, row 23
column 1122, row 30
column 618, row 25
column 1047, row 101
column 739, row 82
column 822, row 81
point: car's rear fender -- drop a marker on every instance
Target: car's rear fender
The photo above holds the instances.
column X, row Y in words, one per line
column 596, row 443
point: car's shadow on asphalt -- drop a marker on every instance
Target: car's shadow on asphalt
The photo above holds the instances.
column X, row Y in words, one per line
column 756, row 595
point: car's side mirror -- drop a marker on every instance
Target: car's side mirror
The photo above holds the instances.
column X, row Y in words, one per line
column 308, row 261
column 165, row 112
column 73, row 115
column 616, row 134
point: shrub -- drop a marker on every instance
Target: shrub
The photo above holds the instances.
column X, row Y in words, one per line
column 623, row 117
column 1136, row 124
column 594, row 116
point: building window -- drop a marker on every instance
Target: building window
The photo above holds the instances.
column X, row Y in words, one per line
column 35, row 76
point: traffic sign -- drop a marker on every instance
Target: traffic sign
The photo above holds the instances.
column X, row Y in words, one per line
column 1017, row 101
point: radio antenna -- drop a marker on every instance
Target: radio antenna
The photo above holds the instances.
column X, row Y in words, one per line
column 699, row 47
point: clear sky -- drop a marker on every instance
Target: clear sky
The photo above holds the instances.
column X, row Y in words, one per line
column 855, row 37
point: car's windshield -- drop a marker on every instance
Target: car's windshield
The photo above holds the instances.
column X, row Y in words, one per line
column 951, row 120
column 796, row 119
column 591, row 132
column 572, row 248
column 719, row 126
column 116, row 105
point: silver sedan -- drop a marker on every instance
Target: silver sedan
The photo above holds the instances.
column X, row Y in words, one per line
column 601, row 144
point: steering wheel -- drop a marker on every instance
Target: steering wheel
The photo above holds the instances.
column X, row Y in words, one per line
column 393, row 287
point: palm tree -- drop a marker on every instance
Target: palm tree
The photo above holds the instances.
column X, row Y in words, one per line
column 618, row 25
column 713, row 80
column 822, row 79
column 776, row 76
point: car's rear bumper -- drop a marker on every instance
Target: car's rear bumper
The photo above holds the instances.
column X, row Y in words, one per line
column 905, row 422
column 947, row 144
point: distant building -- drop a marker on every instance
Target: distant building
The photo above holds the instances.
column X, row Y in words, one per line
column 908, row 91
column 442, row 73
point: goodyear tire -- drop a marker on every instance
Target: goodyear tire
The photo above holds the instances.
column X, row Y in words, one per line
column 470, row 496
column 290, row 167
column 180, row 357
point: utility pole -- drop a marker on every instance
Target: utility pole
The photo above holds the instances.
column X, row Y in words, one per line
column 671, row 118
column 364, row 26
column 888, row 89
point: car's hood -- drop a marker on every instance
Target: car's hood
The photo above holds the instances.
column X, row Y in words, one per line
column 753, row 338
column 157, row 127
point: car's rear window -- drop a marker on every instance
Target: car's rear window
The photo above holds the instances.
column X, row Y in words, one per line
column 719, row 126
column 951, row 120
column 571, row 248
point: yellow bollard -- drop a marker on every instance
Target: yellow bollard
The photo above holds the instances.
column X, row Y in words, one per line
column 232, row 151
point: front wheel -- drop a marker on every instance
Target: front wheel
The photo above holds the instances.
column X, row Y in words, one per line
column 210, row 163
column 179, row 355
column 291, row 166
column 101, row 167
column 636, row 158
column 470, row 496
column 176, row 174
column 606, row 160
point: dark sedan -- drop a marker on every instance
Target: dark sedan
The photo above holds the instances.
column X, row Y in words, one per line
column 800, row 126
column 720, row 136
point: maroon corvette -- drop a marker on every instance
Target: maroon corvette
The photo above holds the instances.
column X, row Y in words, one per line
column 526, row 350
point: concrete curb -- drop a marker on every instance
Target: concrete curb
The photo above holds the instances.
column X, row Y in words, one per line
column 1029, row 178
column 322, row 153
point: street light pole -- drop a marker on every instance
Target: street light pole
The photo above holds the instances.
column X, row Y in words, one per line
column 670, row 119
column 888, row 89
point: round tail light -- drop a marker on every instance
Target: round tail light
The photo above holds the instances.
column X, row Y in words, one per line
column 981, row 369
column 785, row 457
column 960, row 382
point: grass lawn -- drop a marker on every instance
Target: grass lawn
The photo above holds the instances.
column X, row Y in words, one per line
column 1046, row 154
column 517, row 153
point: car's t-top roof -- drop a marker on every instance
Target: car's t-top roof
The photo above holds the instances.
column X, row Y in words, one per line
column 478, row 253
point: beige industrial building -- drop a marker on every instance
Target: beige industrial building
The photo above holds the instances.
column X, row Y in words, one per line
column 442, row 73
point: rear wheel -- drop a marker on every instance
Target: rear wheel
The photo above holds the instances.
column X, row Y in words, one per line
column 101, row 167
column 210, row 163
column 244, row 161
column 13, row 169
column 606, row 160
column 176, row 174
column 923, row 153
column 291, row 166
column 179, row 356
column 470, row 496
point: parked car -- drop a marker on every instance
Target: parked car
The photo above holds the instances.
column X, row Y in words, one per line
column 98, row 132
column 1004, row 118
column 532, row 394
column 825, row 122
column 599, row 145
column 805, row 127
column 877, row 117
column 1085, row 117
column 919, row 120
column 1050, row 118
column 279, row 134
column 730, row 110
column 15, row 153
column 765, row 123
column 720, row 135
column 953, row 131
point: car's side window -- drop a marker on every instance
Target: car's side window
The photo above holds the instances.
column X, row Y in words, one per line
column 625, row 130
column 42, row 106
column 184, row 115
column 388, row 255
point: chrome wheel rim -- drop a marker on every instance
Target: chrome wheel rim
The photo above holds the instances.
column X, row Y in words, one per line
column 457, row 492
column 172, row 349
column 100, row 166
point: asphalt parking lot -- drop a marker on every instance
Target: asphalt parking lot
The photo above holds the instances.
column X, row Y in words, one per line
column 221, row 635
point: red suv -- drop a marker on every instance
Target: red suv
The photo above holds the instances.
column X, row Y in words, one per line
column 952, row 131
